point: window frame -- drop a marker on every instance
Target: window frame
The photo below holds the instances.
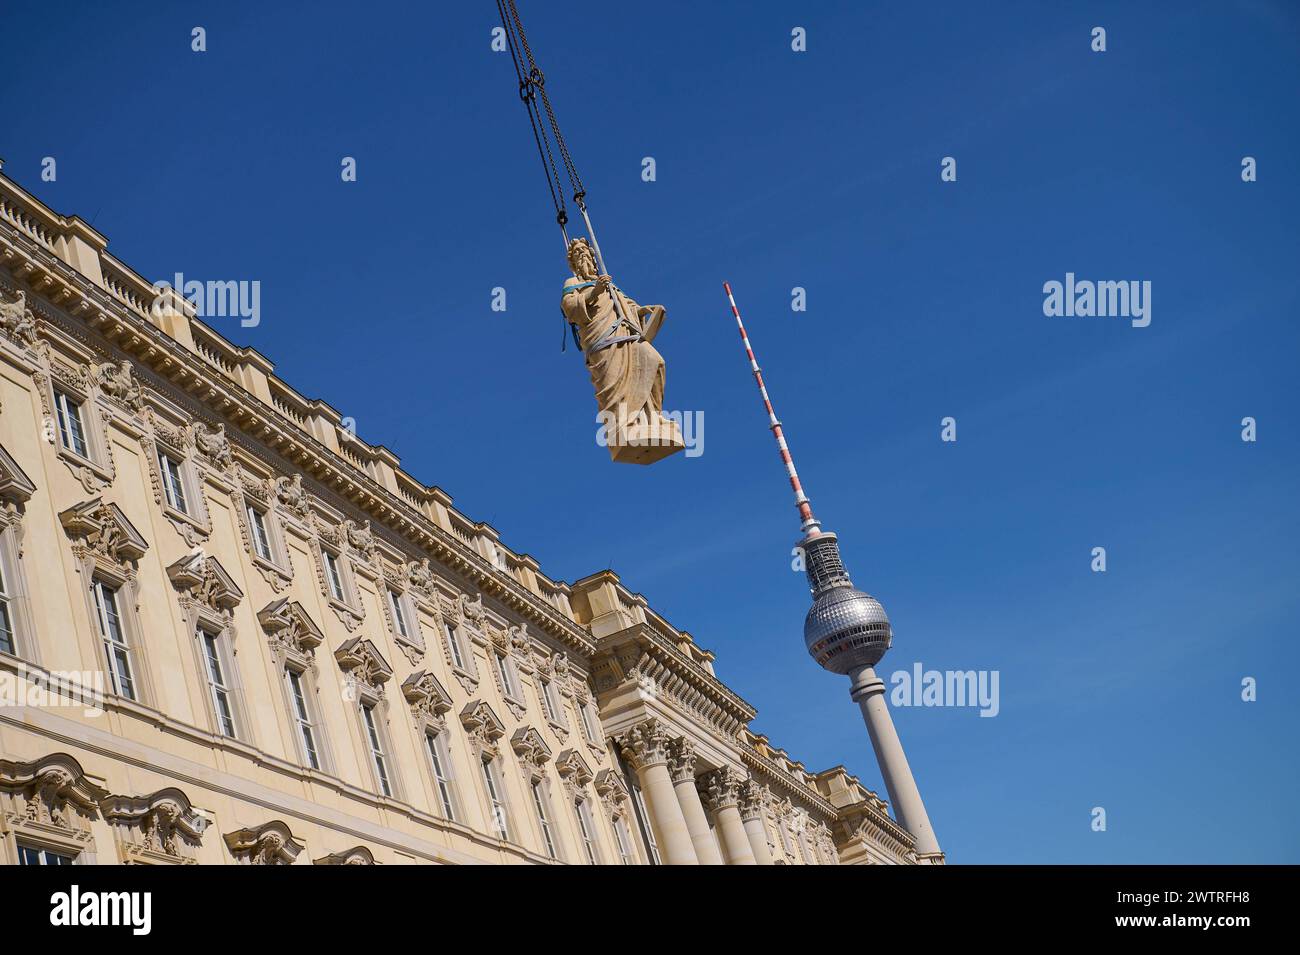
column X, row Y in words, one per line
column 438, row 748
column 544, row 822
column 215, row 653
column 99, row 585
column 299, row 688
column 498, row 807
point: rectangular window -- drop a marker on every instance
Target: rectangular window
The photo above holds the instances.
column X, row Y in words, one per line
column 217, row 686
column 302, row 716
column 257, row 527
column 441, row 778
column 624, row 842
column 554, row 713
column 71, row 433
column 585, row 829
column 588, row 723
column 399, row 619
column 376, row 749
column 332, row 576
column 7, row 642
column 539, row 800
column 494, row 799
column 507, row 676
column 30, row 855
column 453, row 644
column 110, row 632
column 173, row 486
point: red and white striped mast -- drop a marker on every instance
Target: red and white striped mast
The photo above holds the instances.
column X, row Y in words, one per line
column 810, row 525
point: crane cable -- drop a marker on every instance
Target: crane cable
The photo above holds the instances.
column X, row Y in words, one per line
column 532, row 85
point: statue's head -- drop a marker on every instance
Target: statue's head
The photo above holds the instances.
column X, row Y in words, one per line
column 581, row 259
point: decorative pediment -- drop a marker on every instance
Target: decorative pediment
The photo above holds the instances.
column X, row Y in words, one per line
column 290, row 627
column 361, row 660
column 358, row 855
column 162, row 827
column 483, row 726
column 612, row 791
column 51, row 792
column 427, row 697
column 573, row 769
column 205, row 581
column 100, row 527
column 15, row 486
column 271, row 843
column 531, row 749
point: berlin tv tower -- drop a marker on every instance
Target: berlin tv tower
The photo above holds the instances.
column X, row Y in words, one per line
column 847, row 632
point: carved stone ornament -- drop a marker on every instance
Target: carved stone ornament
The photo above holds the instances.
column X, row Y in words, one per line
column 721, row 788
column 645, row 744
column 117, row 380
column 360, row 538
column 753, row 797
column 612, row 791
column 290, row 493
column 16, row 488
column 17, row 322
column 419, row 577
column 573, row 771
column 358, row 855
column 213, row 444
column 681, row 759
column 428, row 699
column 162, row 827
column 51, row 793
column 483, row 727
column 205, row 582
column 361, row 661
column 290, row 629
column 100, row 528
column 271, row 843
column 532, row 751
column 472, row 610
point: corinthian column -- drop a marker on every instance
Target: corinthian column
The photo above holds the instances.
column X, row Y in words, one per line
column 723, row 789
column 752, row 798
column 645, row 746
column 681, row 766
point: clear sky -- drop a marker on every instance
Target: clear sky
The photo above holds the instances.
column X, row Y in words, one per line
column 778, row 169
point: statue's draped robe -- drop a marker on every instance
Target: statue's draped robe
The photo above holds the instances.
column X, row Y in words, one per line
column 629, row 376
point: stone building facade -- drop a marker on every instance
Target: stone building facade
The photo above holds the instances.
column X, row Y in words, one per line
column 232, row 632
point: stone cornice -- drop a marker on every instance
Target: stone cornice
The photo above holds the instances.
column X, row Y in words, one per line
column 642, row 648
column 768, row 772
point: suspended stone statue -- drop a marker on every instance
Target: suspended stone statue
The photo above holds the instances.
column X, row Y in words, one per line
column 627, row 373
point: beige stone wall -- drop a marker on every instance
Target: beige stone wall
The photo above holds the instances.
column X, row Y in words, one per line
column 160, row 778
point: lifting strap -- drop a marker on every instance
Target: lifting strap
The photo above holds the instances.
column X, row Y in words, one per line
column 532, row 87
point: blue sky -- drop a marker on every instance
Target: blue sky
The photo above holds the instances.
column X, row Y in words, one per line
column 779, row 169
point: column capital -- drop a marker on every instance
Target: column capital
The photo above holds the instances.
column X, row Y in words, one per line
column 753, row 797
column 645, row 744
column 722, row 788
column 681, row 759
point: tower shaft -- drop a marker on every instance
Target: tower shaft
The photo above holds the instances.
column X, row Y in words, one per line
column 868, row 691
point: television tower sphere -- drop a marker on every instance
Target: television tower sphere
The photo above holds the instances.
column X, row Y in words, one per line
column 845, row 629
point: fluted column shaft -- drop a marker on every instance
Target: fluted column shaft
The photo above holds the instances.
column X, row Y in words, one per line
column 752, row 798
column 681, row 766
column 723, row 789
column 645, row 746
column 868, row 691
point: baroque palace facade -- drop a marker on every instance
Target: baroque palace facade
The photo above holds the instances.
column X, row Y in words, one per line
column 232, row 632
